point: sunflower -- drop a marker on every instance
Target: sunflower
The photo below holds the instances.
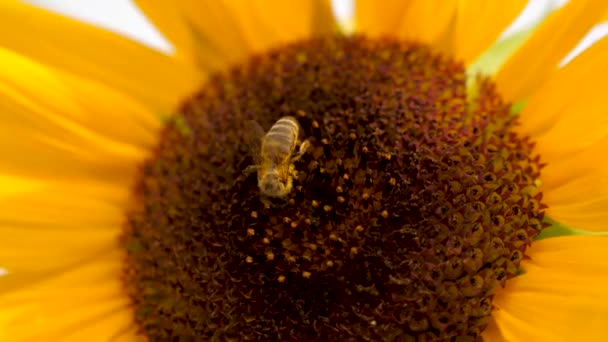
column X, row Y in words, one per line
column 455, row 186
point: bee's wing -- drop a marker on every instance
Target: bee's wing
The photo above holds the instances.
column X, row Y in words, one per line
column 253, row 138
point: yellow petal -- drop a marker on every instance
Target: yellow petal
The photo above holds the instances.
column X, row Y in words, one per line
column 89, row 52
column 562, row 294
column 175, row 25
column 576, row 189
column 225, row 32
column 538, row 58
column 377, row 18
column 59, row 225
column 494, row 56
column 570, row 107
column 479, row 23
column 492, row 334
column 66, row 205
column 418, row 20
column 84, row 102
column 56, row 125
column 566, row 117
column 12, row 185
column 167, row 18
column 266, row 23
column 86, row 303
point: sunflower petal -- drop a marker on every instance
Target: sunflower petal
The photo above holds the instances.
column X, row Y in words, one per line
column 419, row 20
column 574, row 182
column 173, row 21
column 479, row 23
column 553, row 112
column 11, row 186
column 492, row 333
column 562, row 294
column 167, row 18
column 538, row 58
column 494, row 56
column 59, row 225
column 576, row 189
column 225, row 32
column 86, row 303
column 56, row 125
column 266, row 23
column 89, row 52
column 377, row 18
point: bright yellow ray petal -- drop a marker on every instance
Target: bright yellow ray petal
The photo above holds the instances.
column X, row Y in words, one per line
column 225, row 32
column 561, row 297
column 43, row 249
column 86, row 303
column 576, row 189
column 167, row 17
column 83, row 50
column 537, row 59
column 59, row 225
column 419, row 20
column 66, row 205
column 492, row 333
column 570, row 128
column 377, row 18
column 570, row 106
column 216, row 34
column 267, row 23
column 56, row 125
column 176, row 27
column 12, row 185
column 479, row 23
column 32, row 154
column 84, row 102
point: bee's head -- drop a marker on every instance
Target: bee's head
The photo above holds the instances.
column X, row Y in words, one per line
column 273, row 185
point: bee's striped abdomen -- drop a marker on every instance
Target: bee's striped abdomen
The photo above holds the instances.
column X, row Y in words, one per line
column 281, row 139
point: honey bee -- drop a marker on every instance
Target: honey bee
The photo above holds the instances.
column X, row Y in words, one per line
column 274, row 153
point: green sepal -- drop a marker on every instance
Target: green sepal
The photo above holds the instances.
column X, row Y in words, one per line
column 558, row 229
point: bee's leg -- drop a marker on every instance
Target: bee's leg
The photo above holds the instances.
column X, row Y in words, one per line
column 250, row 169
column 303, row 147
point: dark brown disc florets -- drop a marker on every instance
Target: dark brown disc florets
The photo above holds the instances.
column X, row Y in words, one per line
column 411, row 207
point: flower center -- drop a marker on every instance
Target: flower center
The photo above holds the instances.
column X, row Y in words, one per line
column 412, row 204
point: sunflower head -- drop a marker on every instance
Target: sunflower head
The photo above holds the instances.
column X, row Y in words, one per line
column 411, row 207
column 413, row 215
